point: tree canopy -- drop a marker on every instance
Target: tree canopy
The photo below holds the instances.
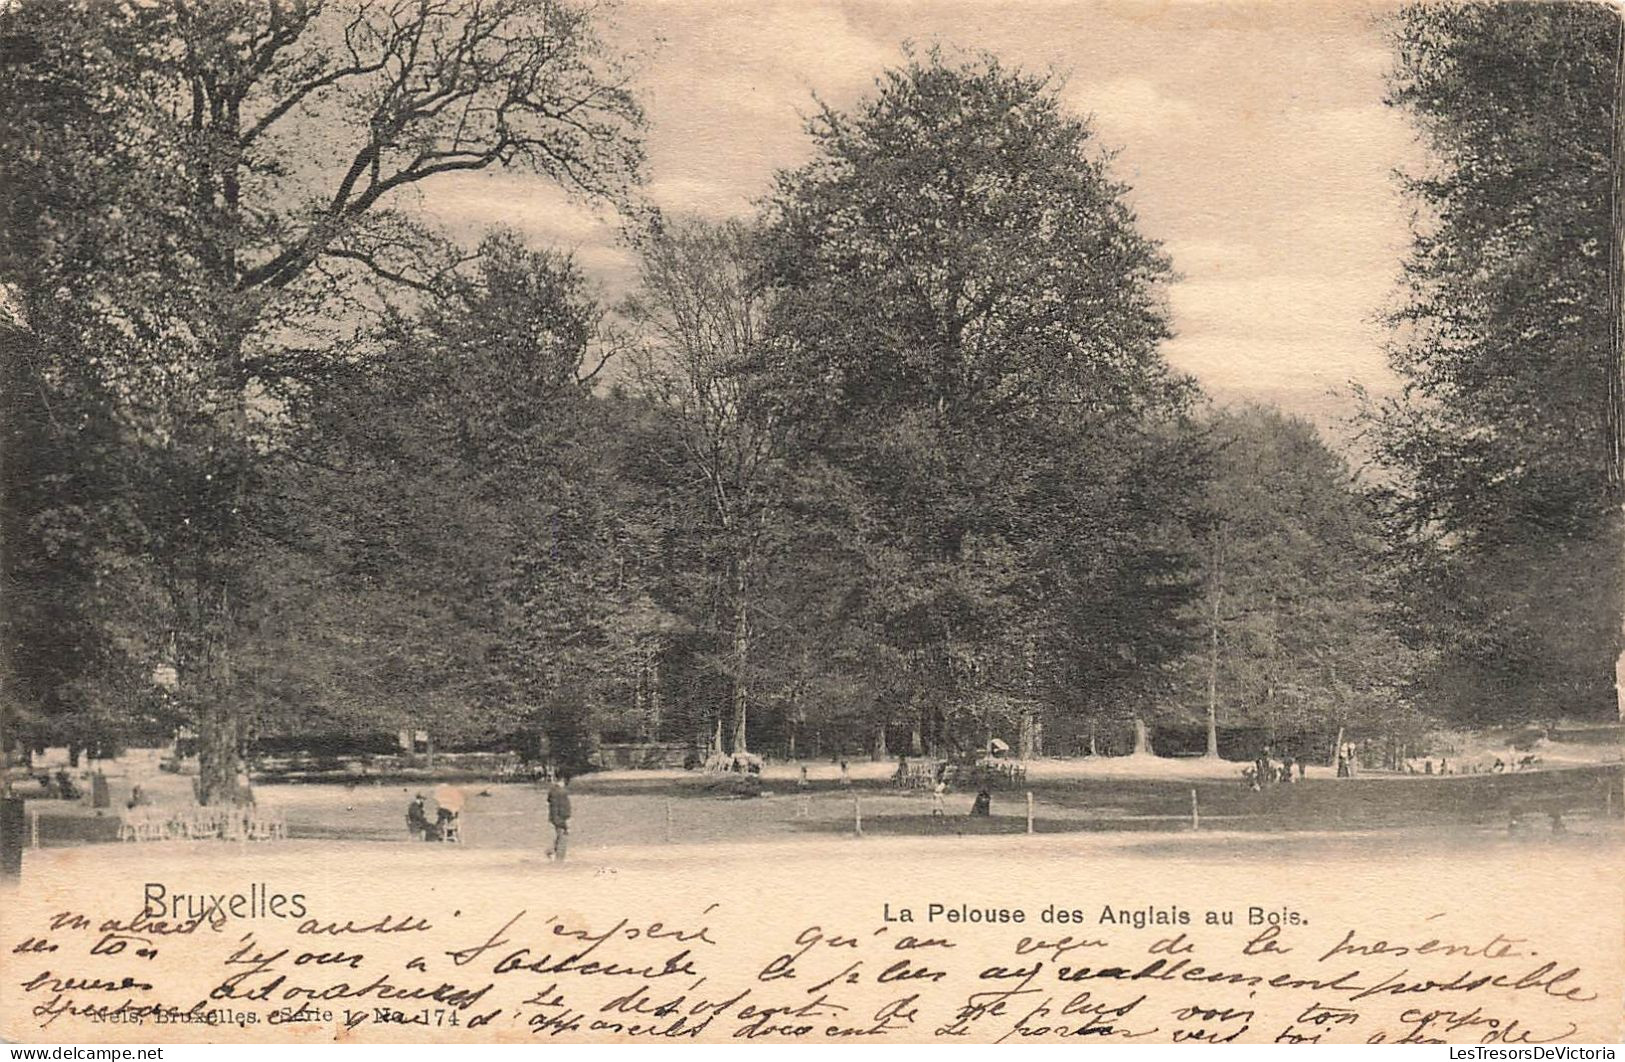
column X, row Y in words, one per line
column 898, row 460
column 1499, row 459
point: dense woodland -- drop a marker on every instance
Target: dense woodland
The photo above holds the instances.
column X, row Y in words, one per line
column 895, row 464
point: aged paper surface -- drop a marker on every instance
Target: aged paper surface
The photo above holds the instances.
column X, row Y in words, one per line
column 832, row 522
column 1326, row 942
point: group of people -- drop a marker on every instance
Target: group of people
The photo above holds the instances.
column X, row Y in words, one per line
column 448, row 816
column 59, row 786
column 1268, row 769
column 1428, row 768
column 1348, row 760
column 1499, row 765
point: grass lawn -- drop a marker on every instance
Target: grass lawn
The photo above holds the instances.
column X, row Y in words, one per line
column 632, row 809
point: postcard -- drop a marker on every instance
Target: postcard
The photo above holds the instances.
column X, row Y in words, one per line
column 844, row 521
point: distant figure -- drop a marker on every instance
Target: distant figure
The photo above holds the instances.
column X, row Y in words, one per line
column 1427, row 765
column 846, row 775
column 803, row 783
column 558, row 813
column 245, row 791
column 1444, row 765
column 1286, row 768
column 417, row 819
column 939, row 793
column 983, row 805
column 139, row 798
column 65, row 786
column 1303, row 770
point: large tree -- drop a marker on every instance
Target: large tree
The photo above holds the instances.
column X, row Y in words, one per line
column 966, row 312
column 1500, row 459
column 1294, row 587
column 469, row 558
column 719, row 447
column 253, row 157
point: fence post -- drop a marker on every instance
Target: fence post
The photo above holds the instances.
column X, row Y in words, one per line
column 857, row 813
column 1029, row 811
column 1196, row 815
column 668, row 821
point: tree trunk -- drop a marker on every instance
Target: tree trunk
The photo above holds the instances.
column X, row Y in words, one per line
column 880, row 752
column 1027, row 743
column 209, row 687
column 1027, row 732
column 1094, row 750
column 741, row 648
column 1331, row 761
column 1616, row 375
column 217, row 753
column 640, row 706
column 916, row 744
column 1213, row 646
column 655, row 705
column 1142, row 738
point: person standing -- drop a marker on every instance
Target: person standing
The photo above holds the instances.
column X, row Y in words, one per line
column 558, row 813
column 417, row 819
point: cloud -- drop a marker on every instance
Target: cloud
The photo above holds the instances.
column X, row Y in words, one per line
column 1254, row 136
column 474, row 202
column 1128, row 107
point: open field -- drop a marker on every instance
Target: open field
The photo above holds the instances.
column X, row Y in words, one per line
column 618, row 809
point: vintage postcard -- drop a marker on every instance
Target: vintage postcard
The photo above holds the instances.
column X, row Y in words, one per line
column 831, row 521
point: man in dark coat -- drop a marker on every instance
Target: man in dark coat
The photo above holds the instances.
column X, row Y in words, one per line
column 417, row 819
column 558, row 813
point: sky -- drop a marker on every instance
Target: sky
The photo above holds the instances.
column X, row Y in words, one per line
column 1253, row 136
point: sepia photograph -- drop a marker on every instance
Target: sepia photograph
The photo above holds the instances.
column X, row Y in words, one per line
column 561, row 521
